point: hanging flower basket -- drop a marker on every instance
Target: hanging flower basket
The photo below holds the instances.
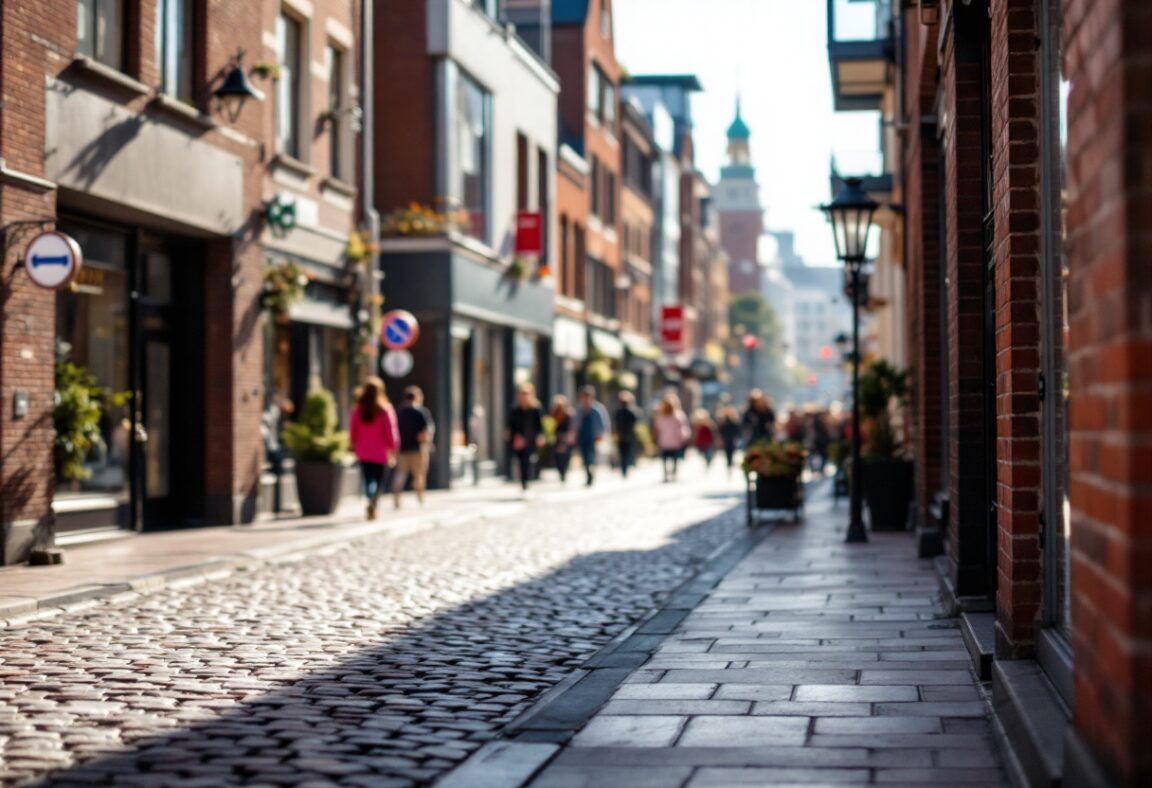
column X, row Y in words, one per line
column 284, row 286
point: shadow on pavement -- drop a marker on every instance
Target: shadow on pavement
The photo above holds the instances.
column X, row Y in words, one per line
column 411, row 707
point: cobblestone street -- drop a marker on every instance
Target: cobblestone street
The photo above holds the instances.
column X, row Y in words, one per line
column 384, row 662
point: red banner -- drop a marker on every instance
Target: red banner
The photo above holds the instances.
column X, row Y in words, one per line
column 530, row 234
column 672, row 328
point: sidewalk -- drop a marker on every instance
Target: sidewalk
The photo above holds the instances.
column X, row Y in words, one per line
column 802, row 661
column 138, row 563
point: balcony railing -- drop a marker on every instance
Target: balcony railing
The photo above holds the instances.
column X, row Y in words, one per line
column 860, row 52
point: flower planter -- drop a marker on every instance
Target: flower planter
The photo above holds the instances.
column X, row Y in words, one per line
column 777, row 492
column 318, row 486
column 888, row 493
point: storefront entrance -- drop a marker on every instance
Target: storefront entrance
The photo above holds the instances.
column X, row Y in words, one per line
column 134, row 323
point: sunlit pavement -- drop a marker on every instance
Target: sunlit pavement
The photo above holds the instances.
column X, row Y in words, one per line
column 386, row 661
column 810, row 662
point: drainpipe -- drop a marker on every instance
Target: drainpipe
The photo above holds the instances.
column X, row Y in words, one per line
column 370, row 275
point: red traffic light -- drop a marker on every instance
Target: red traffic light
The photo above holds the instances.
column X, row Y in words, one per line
column 751, row 342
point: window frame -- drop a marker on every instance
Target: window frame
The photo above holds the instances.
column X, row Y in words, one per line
column 180, row 86
column 93, row 8
column 336, row 58
column 457, row 77
column 291, row 84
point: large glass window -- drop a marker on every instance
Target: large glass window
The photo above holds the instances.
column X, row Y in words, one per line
column 174, row 48
column 92, row 335
column 288, row 36
column 1055, row 506
column 100, row 31
column 471, row 140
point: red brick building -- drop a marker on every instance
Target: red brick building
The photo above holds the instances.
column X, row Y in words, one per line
column 584, row 57
column 1026, row 144
column 110, row 132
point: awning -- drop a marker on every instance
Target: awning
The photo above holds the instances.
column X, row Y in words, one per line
column 569, row 339
column 607, row 344
column 322, row 314
column 641, row 347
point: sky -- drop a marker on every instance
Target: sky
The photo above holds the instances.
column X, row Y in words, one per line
column 774, row 52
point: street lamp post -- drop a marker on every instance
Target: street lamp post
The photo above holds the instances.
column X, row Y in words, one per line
column 851, row 215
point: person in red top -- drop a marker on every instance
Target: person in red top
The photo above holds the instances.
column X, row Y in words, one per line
column 704, row 434
column 374, row 438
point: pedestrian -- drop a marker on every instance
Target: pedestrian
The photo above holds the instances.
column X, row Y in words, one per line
column 417, row 429
column 729, row 429
column 374, row 437
column 525, row 431
column 671, row 431
column 759, row 421
column 821, row 437
column 591, row 424
column 795, row 428
column 627, row 416
column 704, row 435
column 565, row 440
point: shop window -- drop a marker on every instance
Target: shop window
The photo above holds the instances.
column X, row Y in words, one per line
column 337, row 99
column 92, row 334
column 288, row 88
column 174, row 59
column 100, row 31
column 471, row 135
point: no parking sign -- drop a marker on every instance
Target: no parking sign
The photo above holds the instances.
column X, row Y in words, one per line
column 399, row 330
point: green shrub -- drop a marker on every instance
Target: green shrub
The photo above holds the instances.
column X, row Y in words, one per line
column 76, row 411
column 313, row 437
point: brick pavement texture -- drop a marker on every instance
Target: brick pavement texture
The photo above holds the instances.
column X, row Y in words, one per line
column 385, row 663
column 811, row 662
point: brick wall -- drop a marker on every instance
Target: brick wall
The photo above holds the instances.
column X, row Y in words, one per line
column 1109, row 63
column 405, row 77
column 1015, row 99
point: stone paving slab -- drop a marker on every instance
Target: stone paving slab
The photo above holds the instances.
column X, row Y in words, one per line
column 810, row 662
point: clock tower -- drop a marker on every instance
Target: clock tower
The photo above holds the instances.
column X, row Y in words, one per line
column 738, row 208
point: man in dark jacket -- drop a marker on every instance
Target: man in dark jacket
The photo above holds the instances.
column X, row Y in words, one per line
column 625, row 419
column 416, row 428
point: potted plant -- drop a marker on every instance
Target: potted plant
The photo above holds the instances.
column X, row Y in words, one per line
column 319, row 449
column 887, row 474
column 285, row 283
column 777, row 466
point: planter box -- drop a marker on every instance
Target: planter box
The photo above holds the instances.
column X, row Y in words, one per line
column 888, row 493
column 777, row 492
column 319, row 486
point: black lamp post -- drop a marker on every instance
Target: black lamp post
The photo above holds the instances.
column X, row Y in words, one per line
column 851, row 216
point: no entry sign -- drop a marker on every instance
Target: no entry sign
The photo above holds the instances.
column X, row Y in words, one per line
column 399, row 330
column 672, row 328
column 53, row 260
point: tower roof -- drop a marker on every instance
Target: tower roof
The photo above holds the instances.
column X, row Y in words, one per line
column 739, row 129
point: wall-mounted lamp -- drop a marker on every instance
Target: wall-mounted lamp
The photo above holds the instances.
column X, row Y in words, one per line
column 235, row 91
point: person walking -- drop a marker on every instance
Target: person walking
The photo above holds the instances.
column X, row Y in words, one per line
column 591, row 424
column 759, row 421
column 561, row 415
column 729, row 429
column 374, row 437
column 671, row 431
column 525, row 432
column 704, row 436
column 627, row 416
column 416, row 433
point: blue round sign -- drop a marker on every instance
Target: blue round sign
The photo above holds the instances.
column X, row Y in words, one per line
column 399, row 330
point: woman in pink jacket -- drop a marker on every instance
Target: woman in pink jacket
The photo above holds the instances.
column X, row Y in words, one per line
column 374, row 438
column 671, row 431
